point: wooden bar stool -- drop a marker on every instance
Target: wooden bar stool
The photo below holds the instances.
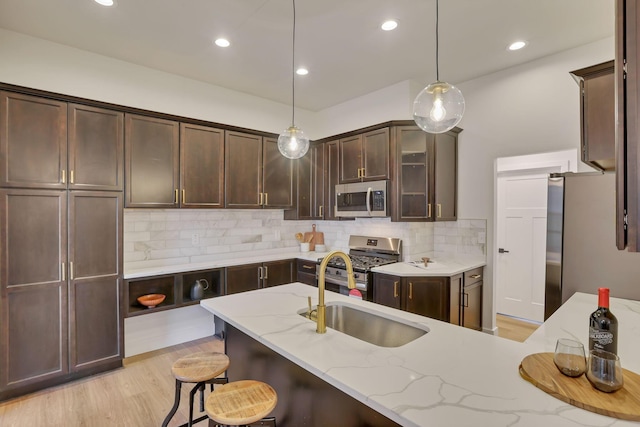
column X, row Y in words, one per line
column 199, row 368
column 240, row 403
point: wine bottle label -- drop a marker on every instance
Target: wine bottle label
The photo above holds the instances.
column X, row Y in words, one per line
column 600, row 338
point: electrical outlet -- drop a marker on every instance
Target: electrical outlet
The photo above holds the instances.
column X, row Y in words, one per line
column 482, row 237
column 195, row 239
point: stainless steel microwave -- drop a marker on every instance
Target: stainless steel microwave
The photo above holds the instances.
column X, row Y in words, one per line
column 361, row 199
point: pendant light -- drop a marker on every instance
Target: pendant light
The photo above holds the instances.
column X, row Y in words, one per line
column 439, row 106
column 292, row 143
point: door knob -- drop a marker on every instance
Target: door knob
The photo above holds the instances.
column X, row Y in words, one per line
column 502, row 251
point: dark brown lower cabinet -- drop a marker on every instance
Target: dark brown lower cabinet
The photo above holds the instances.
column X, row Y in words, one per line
column 306, row 272
column 249, row 277
column 95, row 279
column 304, row 399
column 426, row 296
column 61, row 268
column 456, row 299
column 471, row 299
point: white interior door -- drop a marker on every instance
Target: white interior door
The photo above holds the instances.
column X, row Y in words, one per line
column 521, row 242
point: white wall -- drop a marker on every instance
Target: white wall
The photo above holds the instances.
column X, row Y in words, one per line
column 527, row 109
column 40, row 64
column 532, row 108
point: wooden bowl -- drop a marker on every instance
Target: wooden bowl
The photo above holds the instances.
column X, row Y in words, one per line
column 151, row 300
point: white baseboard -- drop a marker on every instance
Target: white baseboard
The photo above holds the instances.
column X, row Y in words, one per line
column 166, row 328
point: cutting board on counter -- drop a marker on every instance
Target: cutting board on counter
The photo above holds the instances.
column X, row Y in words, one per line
column 624, row 404
column 313, row 238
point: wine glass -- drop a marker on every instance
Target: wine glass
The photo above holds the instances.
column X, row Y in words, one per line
column 604, row 371
column 569, row 357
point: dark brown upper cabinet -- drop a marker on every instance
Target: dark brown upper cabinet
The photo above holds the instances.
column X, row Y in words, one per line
column 54, row 145
column 424, row 183
column 256, row 174
column 597, row 115
column 310, row 185
column 33, row 141
column 152, row 162
column 201, row 166
column 365, row 157
column 627, row 131
column 277, row 176
column 171, row 164
column 331, row 177
column 243, row 176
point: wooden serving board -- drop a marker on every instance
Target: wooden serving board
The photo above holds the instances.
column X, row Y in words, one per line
column 310, row 237
column 624, row 404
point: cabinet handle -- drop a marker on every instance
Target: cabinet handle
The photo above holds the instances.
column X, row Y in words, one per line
column 266, row 199
column 321, row 213
column 359, row 176
column 363, row 174
column 71, row 177
column 439, row 210
column 475, row 276
column 64, row 176
column 260, row 276
column 175, row 196
column 410, row 290
column 266, row 273
column 428, row 210
column 184, row 196
column 71, row 270
column 260, row 200
column 62, row 271
column 465, row 300
column 395, row 289
column 309, row 267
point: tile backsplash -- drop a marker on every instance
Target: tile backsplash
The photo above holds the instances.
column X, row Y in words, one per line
column 157, row 237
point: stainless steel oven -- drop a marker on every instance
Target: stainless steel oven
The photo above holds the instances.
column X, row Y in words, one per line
column 365, row 253
column 361, row 199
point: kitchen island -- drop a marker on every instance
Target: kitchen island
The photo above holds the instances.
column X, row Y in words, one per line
column 451, row 376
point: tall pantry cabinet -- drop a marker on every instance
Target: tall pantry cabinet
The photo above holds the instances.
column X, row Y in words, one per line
column 61, row 183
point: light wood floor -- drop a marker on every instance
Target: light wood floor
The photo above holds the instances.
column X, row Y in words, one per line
column 141, row 393
column 138, row 395
column 514, row 329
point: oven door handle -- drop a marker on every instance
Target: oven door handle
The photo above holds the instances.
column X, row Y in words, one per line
column 369, row 191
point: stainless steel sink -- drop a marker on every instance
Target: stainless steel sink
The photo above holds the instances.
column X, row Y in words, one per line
column 370, row 326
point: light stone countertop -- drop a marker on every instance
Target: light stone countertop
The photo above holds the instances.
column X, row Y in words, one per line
column 183, row 268
column 452, row 376
column 441, row 266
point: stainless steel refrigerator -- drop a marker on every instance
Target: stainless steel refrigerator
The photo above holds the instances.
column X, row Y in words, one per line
column 581, row 241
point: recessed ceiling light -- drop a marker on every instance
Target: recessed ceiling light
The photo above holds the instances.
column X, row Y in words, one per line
column 302, row 71
column 106, row 2
column 517, row 45
column 389, row 25
column 222, row 42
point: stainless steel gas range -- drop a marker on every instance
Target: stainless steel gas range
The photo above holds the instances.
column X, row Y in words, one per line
column 365, row 252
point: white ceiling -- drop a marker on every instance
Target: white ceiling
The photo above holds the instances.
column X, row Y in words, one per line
column 340, row 41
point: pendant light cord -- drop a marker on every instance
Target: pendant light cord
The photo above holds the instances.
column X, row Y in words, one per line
column 293, row 69
column 437, row 44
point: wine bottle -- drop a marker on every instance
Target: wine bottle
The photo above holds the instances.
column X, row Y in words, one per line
column 603, row 325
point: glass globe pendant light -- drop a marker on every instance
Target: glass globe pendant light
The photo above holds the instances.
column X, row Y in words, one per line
column 293, row 143
column 439, row 106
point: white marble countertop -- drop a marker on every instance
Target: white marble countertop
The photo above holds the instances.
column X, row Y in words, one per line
column 445, row 266
column 452, row 376
column 183, row 268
